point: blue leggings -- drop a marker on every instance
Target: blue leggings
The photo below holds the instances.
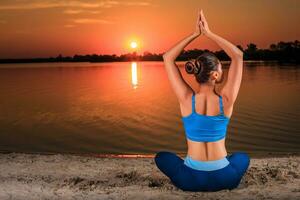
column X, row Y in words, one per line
column 184, row 176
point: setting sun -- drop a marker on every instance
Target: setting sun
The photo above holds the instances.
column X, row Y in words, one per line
column 133, row 45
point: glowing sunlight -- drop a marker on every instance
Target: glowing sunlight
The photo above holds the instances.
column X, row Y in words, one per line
column 133, row 45
column 134, row 80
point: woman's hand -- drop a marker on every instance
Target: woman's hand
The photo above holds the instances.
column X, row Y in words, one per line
column 198, row 27
column 203, row 24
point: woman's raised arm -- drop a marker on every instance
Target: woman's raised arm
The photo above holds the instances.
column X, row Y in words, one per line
column 180, row 87
column 232, row 85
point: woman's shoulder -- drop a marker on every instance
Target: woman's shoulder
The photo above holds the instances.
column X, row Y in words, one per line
column 227, row 105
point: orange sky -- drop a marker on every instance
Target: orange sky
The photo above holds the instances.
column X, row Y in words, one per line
column 34, row 28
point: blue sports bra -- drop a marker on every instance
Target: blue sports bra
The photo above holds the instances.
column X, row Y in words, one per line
column 205, row 128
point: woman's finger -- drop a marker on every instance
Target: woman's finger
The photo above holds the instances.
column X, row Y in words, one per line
column 199, row 23
column 199, row 15
column 202, row 15
column 201, row 27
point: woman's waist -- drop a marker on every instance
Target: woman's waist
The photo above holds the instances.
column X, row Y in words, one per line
column 210, row 165
column 205, row 151
column 204, row 157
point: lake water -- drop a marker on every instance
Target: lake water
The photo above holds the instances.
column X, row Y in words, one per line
column 130, row 108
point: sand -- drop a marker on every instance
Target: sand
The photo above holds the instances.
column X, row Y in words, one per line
column 67, row 176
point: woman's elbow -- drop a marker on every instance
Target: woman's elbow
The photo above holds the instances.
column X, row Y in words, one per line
column 238, row 56
column 168, row 57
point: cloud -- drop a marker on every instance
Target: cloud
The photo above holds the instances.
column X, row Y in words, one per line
column 69, row 25
column 36, row 4
column 94, row 11
column 48, row 4
column 77, row 11
column 87, row 21
column 136, row 3
column 91, row 20
column 72, row 11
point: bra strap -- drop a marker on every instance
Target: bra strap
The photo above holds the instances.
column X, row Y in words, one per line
column 221, row 105
column 193, row 102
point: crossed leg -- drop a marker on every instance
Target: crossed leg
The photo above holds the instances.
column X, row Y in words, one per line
column 168, row 162
column 240, row 161
column 183, row 177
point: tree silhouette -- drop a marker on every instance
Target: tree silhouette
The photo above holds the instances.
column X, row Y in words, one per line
column 282, row 52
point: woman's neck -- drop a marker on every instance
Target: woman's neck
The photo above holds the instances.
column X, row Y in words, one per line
column 207, row 88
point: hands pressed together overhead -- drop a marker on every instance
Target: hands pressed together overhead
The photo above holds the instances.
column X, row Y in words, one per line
column 201, row 25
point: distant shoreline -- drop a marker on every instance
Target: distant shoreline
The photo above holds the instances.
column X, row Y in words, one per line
column 288, row 51
column 140, row 61
column 282, row 51
column 99, row 155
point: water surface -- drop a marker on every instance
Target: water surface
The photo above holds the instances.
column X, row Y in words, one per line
column 130, row 108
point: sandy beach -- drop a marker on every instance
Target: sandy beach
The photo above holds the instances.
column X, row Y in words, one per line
column 67, row 176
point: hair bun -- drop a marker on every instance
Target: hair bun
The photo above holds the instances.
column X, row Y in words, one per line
column 190, row 67
column 198, row 66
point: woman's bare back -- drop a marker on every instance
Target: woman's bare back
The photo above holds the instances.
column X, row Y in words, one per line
column 206, row 104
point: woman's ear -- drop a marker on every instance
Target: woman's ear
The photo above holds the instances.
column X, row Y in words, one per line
column 214, row 75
